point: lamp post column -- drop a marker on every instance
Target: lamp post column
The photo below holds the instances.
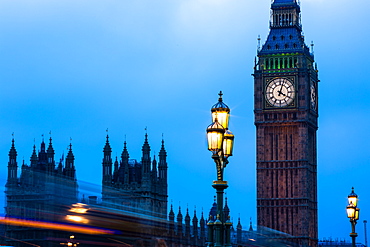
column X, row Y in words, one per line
column 220, row 186
column 353, row 234
column 220, row 143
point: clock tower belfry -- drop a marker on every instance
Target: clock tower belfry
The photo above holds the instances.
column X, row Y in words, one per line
column 286, row 112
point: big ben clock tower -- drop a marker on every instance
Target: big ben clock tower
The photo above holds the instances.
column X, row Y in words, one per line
column 286, row 112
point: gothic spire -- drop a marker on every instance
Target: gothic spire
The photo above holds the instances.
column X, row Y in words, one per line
column 179, row 222
column 107, row 148
column 13, row 151
column 34, row 158
column 146, row 148
column 124, row 167
column 145, row 159
column 69, row 169
column 213, row 210
column 195, row 224
column 115, row 171
column 12, row 166
column 162, row 166
column 125, row 155
column 50, row 147
column 202, row 224
column 239, row 226
column 250, row 225
column 187, row 216
column 226, row 209
column 179, row 215
column 42, row 144
column 154, row 169
column 195, row 219
column 171, row 215
column 42, row 154
column 50, row 158
column 187, row 223
column 107, row 163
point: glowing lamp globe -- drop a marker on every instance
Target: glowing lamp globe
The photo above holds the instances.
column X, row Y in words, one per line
column 353, row 198
column 228, row 143
column 221, row 111
column 351, row 211
column 215, row 136
column 357, row 214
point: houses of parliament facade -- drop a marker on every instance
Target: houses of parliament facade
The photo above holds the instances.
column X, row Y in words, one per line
column 136, row 192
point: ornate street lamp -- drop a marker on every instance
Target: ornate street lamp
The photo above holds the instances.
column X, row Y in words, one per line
column 353, row 213
column 220, row 143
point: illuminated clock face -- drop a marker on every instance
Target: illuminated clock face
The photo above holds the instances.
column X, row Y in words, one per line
column 313, row 96
column 280, row 92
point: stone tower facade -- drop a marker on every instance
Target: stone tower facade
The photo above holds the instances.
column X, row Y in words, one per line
column 136, row 186
column 39, row 193
column 286, row 113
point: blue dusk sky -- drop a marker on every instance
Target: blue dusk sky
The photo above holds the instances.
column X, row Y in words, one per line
column 76, row 68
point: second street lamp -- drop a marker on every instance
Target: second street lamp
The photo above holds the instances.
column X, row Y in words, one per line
column 353, row 213
column 220, row 143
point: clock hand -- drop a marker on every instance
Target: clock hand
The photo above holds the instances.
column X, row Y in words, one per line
column 279, row 91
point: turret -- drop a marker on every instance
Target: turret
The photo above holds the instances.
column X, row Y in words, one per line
column 226, row 210
column 195, row 227
column 124, row 168
column 60, row 167
column 171, row 218
column 145, row 159
column 34, row 158
column 50, row 165
column 154, row 170
column 202, row 224
column 213, row 211
column 155, row 187
column 115, row 171
column 239, row 229
column 171, row 215
column 107, row 163
column 42, row 157
column 70, row 170
column 179, row 224
column 187, row 225
column 162, row 166
column 12, row 167
column 24, row 179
